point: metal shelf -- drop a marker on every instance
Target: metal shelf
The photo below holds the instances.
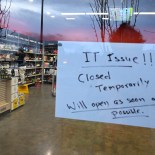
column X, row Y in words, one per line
column 7, row 60
column 50, row 54
column 47, row 61
column 10, row 50
column 33, row 60
column 30, row 68
column 33, row 75
column 30, row 83
column 39, row 67
column 47, row 74
column 33, row 68
column 33, row 53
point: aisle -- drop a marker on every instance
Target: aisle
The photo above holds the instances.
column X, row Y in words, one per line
column 30, row 130
column 33, row 130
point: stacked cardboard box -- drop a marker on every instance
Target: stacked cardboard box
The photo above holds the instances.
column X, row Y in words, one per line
column 17, row 99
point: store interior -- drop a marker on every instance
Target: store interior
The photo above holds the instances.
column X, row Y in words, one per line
column 30, row 36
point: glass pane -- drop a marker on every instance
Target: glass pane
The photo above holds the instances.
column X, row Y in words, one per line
column 25, row 17
column 120, row 21
column 114, row 21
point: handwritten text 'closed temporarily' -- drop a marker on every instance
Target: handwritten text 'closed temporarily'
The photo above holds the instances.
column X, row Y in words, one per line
column 106, row 82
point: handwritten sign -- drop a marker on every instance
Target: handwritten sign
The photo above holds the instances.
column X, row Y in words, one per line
column 106, row 82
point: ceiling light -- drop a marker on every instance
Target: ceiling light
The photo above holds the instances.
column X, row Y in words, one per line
column 72, row 14
column 48, row 13
column 144, row 13
column 105, row 18
column 97, row 13
column 104, row 13
column 82, row 13
column 70, row 18
column 52, row 16
column 65, row 62
column 30, row 0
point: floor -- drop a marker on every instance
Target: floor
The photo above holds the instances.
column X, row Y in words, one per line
column 34, row 130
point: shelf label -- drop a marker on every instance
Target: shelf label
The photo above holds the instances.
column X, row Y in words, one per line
column 106, row 82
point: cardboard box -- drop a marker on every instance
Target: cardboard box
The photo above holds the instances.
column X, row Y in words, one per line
column 14, row 89
column 14, row 96
column 16, row 74
column 14, row 81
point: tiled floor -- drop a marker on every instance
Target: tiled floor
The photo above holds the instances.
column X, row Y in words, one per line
column 33, row 130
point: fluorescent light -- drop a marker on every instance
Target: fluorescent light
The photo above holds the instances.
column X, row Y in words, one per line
column 105, row 18
column 52, row 16
column 97, row 13
column 65, row 62
column 70, row 18
column 144, row 13
column 72, row 14
column 82, row 13
column 48, row 13
column 30, row 0
column 104, row 13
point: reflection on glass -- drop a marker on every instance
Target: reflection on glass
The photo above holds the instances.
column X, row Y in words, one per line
column 25, row 17
column 129, row 21
column 5, row 6
column 126, row 33
column 117, row 19
column 90, row 20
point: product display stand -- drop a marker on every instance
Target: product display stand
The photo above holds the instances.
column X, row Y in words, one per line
column 50, row 64
column 10, row 98
column 17, row 99
column 33, row 68
column 49, row 61
column 4, row 99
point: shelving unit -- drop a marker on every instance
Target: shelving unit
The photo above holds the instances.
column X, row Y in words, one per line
column 50, row 60
column 39, row 65
column 34, row 68
column 10, row 98
column 11, row 44
column 34, row 63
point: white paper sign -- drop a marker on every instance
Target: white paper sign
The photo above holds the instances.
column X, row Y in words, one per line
column 106, row 82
